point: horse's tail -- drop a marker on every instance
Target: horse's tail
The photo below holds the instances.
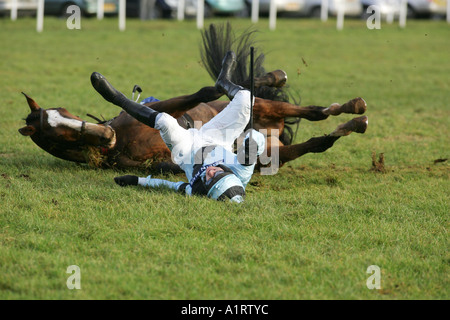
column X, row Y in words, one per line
column 217, row 40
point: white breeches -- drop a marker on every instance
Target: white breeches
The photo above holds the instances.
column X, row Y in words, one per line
column 222, row 130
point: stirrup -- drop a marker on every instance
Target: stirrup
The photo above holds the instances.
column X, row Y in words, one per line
column 139, row 90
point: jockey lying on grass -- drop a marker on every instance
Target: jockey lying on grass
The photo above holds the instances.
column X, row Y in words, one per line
column 204, row 154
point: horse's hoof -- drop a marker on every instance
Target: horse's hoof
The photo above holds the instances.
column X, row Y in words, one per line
column 358, row 125
column 355, row 106
column 279, row 78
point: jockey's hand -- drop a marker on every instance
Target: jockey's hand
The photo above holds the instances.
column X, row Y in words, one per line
column 252, row 147
column 258, row 139
column 127, row 180
column 247, row 153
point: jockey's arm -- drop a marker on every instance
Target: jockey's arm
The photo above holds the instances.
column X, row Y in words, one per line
column 256, row 144
column 155, row 183
column 152, row 183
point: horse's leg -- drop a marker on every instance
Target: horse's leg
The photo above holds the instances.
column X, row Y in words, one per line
column 167, row 167
column 275, row 78
column 124, row 162
column 321, row 144
column 354, row 106
column 270, row 110
column 179, row 105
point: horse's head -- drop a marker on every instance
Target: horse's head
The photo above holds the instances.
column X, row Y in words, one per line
column 55, row 124
column 62, row 134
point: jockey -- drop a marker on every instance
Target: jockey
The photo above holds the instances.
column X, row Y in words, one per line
column 205, row 154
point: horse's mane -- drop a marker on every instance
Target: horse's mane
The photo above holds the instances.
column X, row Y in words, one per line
column 217, row 40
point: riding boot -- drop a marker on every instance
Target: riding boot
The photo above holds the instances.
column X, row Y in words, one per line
column 223, row 83
column 140, row 112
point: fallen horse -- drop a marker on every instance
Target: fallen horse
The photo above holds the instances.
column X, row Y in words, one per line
column 124, row 142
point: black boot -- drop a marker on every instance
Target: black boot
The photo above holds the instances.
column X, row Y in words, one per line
column 223, row 83
column 124, row 181
column 141, row 113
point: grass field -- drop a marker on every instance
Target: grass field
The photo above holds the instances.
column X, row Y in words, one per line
column 309, row 232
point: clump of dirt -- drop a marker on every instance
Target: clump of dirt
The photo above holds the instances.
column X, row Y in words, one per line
column 25, row 176
column 332, row 181
column 378, row 166
column 439, row 160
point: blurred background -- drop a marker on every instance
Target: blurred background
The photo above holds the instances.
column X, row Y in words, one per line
column 167, row 9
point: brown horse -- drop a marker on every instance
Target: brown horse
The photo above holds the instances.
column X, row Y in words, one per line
column 124, row 142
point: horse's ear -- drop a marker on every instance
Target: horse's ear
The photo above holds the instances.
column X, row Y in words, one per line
column 31, row 103
column 27, row 130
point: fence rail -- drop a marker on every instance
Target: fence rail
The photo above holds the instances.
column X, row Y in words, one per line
column 399, row 8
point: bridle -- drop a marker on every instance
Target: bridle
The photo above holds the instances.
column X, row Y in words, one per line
column 45, row 141
column 41, row 122
column 41, row 125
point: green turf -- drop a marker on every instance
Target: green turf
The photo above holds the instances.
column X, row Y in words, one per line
column 309, row 232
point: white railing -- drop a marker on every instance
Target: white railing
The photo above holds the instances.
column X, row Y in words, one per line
column 40, row 16
column 401, row 5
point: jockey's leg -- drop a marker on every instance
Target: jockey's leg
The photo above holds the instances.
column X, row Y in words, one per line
column 228, row 125
column 223, row 83
column 141, row 113
column 173, row 135
column 177, row 139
